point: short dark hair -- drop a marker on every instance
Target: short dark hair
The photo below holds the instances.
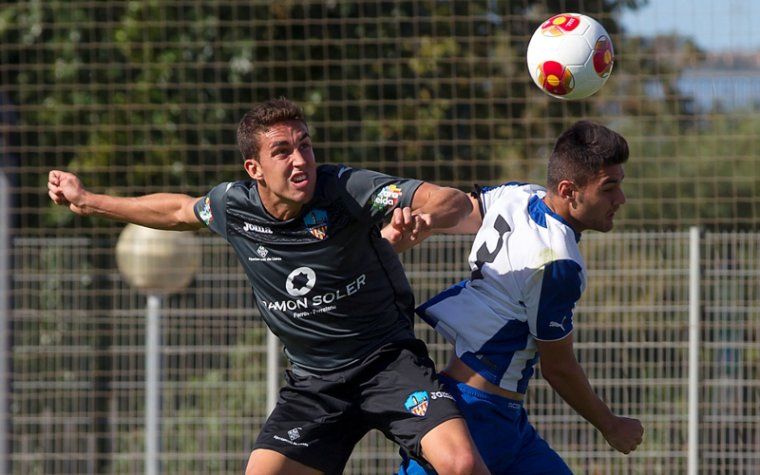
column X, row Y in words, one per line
column 260, row 118
column 582, row 150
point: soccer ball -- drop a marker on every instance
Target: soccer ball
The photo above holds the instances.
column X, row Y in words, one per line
column 570, row 56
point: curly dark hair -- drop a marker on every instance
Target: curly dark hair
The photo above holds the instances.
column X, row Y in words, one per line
column 260, row 118
column 582, row 150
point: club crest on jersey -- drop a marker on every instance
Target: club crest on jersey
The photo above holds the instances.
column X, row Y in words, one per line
column 205, row 213
column 417, row 403
column 387, row 198
column 316, row 222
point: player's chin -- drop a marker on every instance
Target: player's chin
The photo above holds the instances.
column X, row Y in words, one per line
column 604, row 226
column 303, row 194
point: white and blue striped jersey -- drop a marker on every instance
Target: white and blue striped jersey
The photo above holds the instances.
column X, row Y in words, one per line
column 527, row 274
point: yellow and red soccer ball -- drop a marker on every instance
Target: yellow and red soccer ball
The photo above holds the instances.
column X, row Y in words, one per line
column 570, row 56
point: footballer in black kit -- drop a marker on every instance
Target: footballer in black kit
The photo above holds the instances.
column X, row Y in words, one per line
column 335, row 293
column 328, row 284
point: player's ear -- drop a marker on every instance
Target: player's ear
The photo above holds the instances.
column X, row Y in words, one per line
column 253, row 168
column 567, row 190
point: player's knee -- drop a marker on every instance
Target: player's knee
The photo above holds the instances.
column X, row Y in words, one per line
column 456, row 462
column 249, row 465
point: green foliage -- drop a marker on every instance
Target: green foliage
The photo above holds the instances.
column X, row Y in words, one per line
column 144, row 96
column 693, row 173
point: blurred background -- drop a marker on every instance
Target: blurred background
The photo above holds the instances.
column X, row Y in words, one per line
column 144, row 96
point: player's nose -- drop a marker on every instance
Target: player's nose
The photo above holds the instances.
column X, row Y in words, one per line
column 298, row 158
column 620, row 199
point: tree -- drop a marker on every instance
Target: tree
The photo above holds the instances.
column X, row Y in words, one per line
column 144, row 96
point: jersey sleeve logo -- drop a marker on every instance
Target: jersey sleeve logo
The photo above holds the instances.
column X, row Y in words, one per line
column 316, row 222
column 205, row 213
column 387, row 198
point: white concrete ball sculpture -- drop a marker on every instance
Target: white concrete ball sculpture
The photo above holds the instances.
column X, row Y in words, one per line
column 156, row 261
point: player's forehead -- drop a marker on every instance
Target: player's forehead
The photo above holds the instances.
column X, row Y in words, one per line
column 609, row 174
column 288, row 132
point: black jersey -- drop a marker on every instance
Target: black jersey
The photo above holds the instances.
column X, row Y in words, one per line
column 326, row 283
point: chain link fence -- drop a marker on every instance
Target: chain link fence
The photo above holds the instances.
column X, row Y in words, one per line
column 77, row 387
column 142, row 97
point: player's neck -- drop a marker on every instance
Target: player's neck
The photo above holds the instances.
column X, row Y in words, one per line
column 278, row 207
column 561, row 208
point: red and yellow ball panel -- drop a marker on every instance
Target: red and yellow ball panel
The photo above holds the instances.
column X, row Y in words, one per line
column 603, row 56
column 560, row 24
column 555, row 78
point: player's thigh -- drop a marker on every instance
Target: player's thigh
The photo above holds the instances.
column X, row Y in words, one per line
column 316, row 423
column 539, row 458
column 404, row 399
column 535, row 456
column 269, row 462
column 495, row 423
column 449, row 448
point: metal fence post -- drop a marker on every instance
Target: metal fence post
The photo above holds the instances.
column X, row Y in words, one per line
column 153, row 386
column 694, row 328
column 5, row 321
column 102, row 302
column 273, row 370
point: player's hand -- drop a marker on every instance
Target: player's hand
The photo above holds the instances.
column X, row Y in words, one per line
column 624, row 434
column 66, row 189
column 406, row 229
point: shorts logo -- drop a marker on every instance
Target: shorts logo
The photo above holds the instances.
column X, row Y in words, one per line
column 262, row 251
column 293, row 434
column 205, row 213
column 441, row 394
column 560, row 325
column 387, row 198
column 417, row 403
column 316, row 222
column 300, row 281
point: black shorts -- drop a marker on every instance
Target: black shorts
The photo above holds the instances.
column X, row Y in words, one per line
column 320, row 418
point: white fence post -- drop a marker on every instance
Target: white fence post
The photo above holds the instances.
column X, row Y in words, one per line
column 5, row 319
column 273, row 370
column 153, row 386
column 694, row 317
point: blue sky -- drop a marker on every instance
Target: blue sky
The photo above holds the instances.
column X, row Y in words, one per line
column 716, row 25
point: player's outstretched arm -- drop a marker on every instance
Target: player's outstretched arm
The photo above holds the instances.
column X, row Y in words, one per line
column 161, row 210
column 440, row 207
column 470, row 224
column 566, row 376
column 434, row 209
